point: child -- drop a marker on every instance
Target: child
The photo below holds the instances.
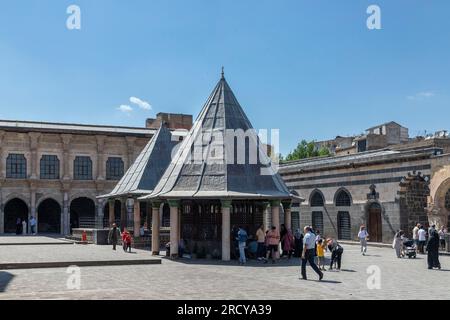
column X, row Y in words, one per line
column 126, row 239
column 321, row 247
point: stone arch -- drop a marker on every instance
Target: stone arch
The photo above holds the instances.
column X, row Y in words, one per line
column 15, row 195
column 438, row 203
column 14, row 209
column 82, row 212
column 342, row 198
column 316, row 198
column 49, row 216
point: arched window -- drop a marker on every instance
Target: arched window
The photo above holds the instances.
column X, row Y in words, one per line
column 114, row 168
column 447, row 200
column 343, row 199
column 316, row 199
column 82, row 168
column 16, row 166
column 49, row 167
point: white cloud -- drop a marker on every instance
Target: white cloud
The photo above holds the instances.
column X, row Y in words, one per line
column 125, row 108
column 141, row 103
column 422, row 95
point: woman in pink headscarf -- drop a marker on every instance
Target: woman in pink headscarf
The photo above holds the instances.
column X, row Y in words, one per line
column 288, row 243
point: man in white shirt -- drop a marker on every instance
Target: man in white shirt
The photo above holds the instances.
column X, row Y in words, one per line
column 422, row 236
column 309, row 252
column 362, row 236
column 415, row 235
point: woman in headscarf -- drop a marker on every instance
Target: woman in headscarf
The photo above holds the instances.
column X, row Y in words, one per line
column 288, row 243
column 398, row 243
column 298, row 243
column 433, row 251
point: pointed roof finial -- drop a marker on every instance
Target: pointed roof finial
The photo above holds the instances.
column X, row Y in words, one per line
column 223, row 73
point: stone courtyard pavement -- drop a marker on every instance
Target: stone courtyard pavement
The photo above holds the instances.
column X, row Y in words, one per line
column 207, row 279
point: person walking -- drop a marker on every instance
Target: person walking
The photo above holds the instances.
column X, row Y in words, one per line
column 18, row 226
column 261, row 240
column 114, row 236
column 298, row 243
column 398, row 243
column 288, row 243
column 336, row 253
column 273, row 240
column 422, row 237
column 33, row 225
column 126, row 239
column 415, row 233
column 242, row 238
column 308, row 253
column 433, row 251
column 441, row 233
column 362, row 236
column 24, row 227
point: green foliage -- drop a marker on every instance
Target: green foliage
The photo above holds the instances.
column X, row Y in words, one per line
column 305, row 150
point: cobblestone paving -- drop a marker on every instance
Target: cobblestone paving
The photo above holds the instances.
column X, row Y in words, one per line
column 7, row 239
column 400, row 279
column 74, row 252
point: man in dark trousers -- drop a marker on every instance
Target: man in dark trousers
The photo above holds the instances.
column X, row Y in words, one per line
column 308, row 253
column 114, row 236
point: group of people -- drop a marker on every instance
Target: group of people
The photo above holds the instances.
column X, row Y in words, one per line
column 431, row 241
column 115, row 236
column 21, row 226
column 310, row 246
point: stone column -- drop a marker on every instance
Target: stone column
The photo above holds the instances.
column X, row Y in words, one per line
column 266, row 218
column 275, row 206
column 65, row 138
column 123, row 213
column 34, row 142
column 137, row 218
column 100, row 157
column 100, row 215
column 2, row 218
column 33, row 212
column 111, row 207
column 226, row 230
column 287, row 214
column 174, row 208
column 130, row 213
column 155, row 227
column 66, row 214
column 2, row 162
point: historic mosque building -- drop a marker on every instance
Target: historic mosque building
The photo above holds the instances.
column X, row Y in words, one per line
column 184, row 176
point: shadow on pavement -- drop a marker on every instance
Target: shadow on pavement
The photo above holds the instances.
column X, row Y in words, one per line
column 5, row 279
column 235, row 263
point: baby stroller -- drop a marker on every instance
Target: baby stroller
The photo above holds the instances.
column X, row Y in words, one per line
column 409, row 248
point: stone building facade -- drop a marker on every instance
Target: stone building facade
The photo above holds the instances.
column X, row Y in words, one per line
column 386, row 190
column 55, row 171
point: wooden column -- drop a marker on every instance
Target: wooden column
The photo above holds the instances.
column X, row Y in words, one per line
column 137, row 218
column 287, row 214
column 226, row 221
column 155, row 228
column 174, row 222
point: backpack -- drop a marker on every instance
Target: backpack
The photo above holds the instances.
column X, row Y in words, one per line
column 242, row 236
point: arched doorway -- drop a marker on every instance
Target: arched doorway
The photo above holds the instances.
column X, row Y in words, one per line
column 344, row 226
column 374, row 224
column 82, row 213
column 117, row 208
column 49, row 217
column 14, row 209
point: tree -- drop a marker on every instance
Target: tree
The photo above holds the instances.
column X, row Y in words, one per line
column 305, row 150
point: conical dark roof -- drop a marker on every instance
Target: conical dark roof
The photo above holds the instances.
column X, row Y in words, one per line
column 144, row 174
column 204, row 166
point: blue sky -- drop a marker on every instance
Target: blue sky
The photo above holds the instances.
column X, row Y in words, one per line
column 310, row 68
